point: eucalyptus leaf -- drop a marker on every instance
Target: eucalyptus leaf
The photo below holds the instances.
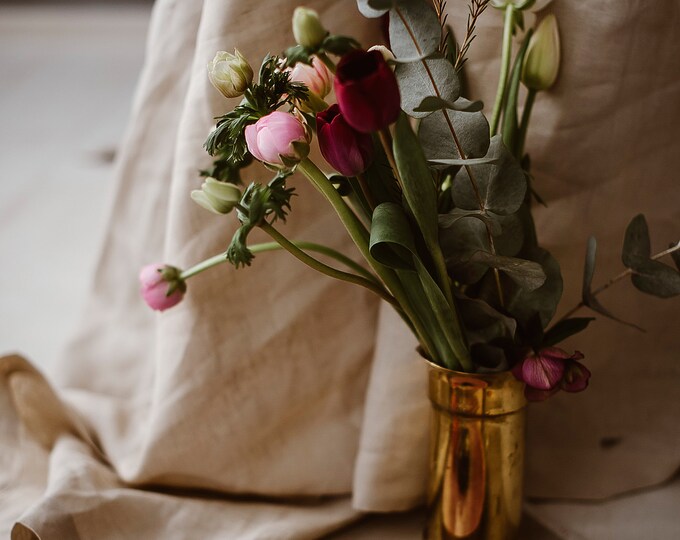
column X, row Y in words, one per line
column 463, row 162
column 541, row 302
column 527, row 274
column 482, row 322
column 675, row 255
column 511, row 238
column 436, row 103
column 447, row 220
column 414, row 28
column 373, row 9
column 489, row 358
column 432, row 78
column 587, row 297
column 472, row 131
column 564, row 329
column 501, row 184
column 636, row 243
column 458, row 241
column 654, row 277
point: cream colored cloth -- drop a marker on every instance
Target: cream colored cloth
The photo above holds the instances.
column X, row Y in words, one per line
column 276, row 403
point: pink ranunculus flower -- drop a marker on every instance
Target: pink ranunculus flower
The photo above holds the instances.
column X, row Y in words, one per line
column 161, row 286
column 317, row 78
column 549, row 370
column 279, row 139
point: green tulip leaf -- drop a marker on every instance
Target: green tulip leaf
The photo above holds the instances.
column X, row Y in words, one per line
column 636, row 242
column 528, row 275
column 418, row 83
column 391, row 242
column 417, row 183
column 501, row 184
column 510, row 124
column 654, row 277
column 564, row 329
column 472, row 131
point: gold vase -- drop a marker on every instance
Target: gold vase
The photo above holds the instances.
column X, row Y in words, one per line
column 476, row 455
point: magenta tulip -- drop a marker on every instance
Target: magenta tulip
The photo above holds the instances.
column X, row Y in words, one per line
column 367, row 91
column 344, row 148
column 161, row 286
column 279, row 139
column 550, row 370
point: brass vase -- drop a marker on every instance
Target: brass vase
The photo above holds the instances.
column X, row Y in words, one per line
column 476, row 455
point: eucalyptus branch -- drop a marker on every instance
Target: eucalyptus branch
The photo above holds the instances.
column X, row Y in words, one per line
column 325, row 269
column 475, row 10
column 461, row 151
column 615, row 279
column 505, row 66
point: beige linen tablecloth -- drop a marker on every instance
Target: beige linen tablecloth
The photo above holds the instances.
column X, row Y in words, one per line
column 276, row 403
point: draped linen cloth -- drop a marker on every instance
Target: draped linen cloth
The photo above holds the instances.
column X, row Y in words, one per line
column 274, row 402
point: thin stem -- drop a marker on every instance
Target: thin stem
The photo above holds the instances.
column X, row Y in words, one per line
column 615, row 279
column 360, row 236
column 524, row 125
column 325, row 269
column 366, row 191
column 386, row 141
column 505, row 67
column 326, row 60
column 273, row 246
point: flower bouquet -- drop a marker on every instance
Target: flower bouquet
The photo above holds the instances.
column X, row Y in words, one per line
column 437, row 200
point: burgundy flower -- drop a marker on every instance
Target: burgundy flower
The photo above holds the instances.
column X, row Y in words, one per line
column 550, row 370
column 367, row 91
column 346, row 149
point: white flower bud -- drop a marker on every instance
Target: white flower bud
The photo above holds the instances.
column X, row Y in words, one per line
column 542, row 60
column 218, row 197
column 386, row 53
column 307, row 28
column 230, row 73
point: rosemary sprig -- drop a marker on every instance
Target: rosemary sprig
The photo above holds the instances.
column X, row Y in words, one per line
column 440, row 9
column 475, row 10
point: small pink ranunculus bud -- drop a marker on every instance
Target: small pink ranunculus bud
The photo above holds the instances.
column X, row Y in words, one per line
column 347, row 150
column 367, row 91
column 576, row 376
column 161, row 286
column 318, row 79
column 279, row 139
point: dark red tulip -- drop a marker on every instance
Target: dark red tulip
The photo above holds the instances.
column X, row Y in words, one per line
column 343, row 147
column 367, row 91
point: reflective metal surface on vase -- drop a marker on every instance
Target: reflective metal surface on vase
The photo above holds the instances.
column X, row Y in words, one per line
column 476, row 455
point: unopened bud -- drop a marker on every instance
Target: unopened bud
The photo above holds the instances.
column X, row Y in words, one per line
column 230, row 73
column 542, row 60
column 218, row 197
column 307, row 28
column 386, row 53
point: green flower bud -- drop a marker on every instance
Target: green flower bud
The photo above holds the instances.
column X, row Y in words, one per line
column 307, row 28
column 517, row 4
column 218, row 197
column 542, row 61
column 230, row 73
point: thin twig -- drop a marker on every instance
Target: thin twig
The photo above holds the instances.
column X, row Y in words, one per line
column 475, row 10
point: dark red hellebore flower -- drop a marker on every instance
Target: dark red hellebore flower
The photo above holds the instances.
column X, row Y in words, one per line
column 343, row 147
column 367, row 91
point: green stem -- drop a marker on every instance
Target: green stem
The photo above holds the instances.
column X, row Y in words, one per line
column 273, row 246
column 325, row 269
column 524, row 125
column 360, row 236
column 329, row 63
column 505, row 67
